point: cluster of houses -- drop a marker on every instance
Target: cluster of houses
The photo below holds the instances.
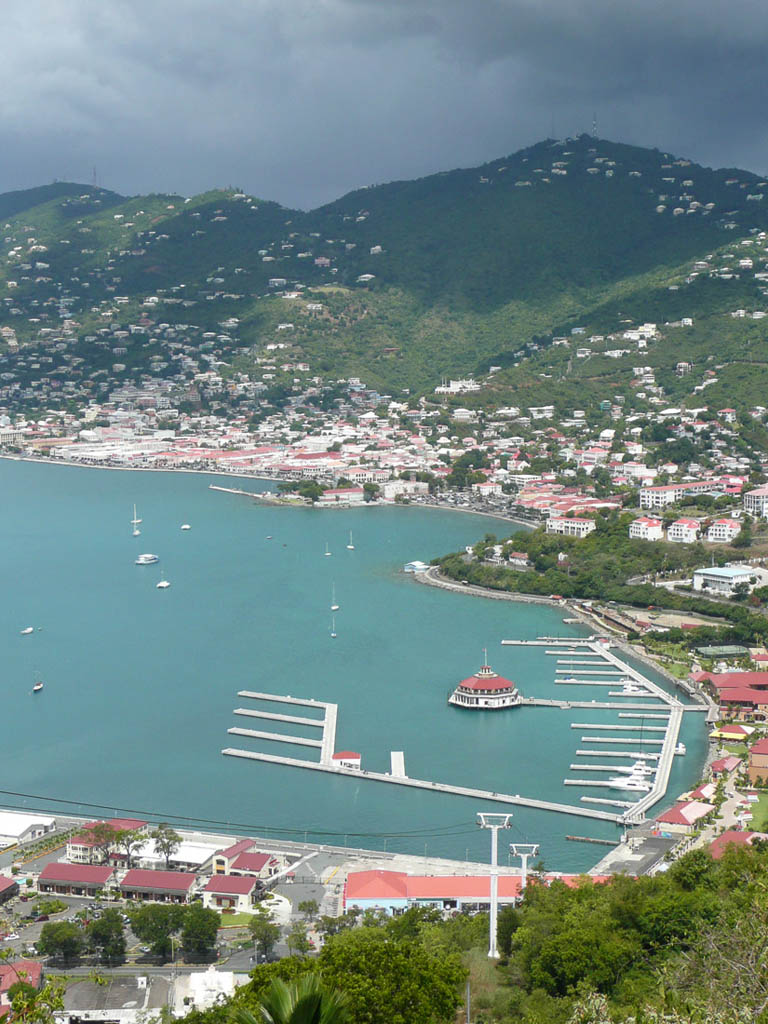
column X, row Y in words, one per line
column 229, row 878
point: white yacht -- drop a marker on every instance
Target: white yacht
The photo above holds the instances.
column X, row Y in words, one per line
column 632, row 783
column 680, row 748
column 163, row 585
column 135, row 523
column 327, row 550
column 186, row 526
column 334, row 605
column 28, row 630
column 147, row 559
column 350, row 546
column 37, row 687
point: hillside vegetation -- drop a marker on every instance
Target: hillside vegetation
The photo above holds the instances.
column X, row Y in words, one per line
column 445, row 275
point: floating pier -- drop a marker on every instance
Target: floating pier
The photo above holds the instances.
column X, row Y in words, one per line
column 257, row 734
column 618, row 728
column 436, row 787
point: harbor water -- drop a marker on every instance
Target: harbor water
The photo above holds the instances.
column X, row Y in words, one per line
column 140, row 684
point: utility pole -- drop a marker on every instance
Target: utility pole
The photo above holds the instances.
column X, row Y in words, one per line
column 524, row 851
column 494, row 822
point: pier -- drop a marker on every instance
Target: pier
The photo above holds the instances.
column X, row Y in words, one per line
column 327, row 723
column 594, row 660
column 436, row 787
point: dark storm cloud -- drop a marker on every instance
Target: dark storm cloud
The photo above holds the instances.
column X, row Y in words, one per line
column 301, row 100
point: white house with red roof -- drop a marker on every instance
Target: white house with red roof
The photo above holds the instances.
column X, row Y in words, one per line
column 347, row 759
column 242, row 858
column 342, row 496
column 723, row 531
column 82, row 848
column 684, row 816
column 570, row 526
column 684, row 531
column 485, row 690
column 646, row 528
column 232, row 892
column 725, row 765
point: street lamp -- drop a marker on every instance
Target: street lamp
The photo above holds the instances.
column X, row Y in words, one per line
column 494, row 822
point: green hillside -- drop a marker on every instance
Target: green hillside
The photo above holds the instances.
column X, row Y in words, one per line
column 460, row 270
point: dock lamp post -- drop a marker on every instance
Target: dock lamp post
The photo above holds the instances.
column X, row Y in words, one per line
column 494, row 822
column 524, row 851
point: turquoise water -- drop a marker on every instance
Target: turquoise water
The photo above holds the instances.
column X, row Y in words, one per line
column 140, row 684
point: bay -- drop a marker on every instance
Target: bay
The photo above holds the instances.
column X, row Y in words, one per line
column 140, row 683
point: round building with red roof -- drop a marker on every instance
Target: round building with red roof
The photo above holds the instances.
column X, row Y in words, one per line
column 485, row 690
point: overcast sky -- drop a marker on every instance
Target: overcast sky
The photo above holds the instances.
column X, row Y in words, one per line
column 303, row 100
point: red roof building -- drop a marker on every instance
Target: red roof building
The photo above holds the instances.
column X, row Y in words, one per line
column 158, row 886
column 231, row 892
column 28, row 971
column 395, row 890
column 243, row 859
column 485, row 690
column 684, row 816
column 9, row 888
column 74, row 879
column 733, row 838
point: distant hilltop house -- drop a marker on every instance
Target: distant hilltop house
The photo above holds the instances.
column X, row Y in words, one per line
column 456, row 387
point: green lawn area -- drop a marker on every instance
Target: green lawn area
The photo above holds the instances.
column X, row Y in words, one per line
column 739, row 749
column 235, row 920
column 759, row 814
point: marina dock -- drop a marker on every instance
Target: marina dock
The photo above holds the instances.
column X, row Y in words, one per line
column 640, row 699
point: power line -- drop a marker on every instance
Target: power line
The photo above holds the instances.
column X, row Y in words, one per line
column 455, row 829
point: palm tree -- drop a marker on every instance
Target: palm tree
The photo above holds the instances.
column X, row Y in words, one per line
column 302, row 1002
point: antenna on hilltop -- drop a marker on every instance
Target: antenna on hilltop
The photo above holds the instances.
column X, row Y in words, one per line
column 594, row 126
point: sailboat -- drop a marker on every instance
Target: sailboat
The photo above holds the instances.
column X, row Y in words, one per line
column 327, row 550
column 350, row 546
column 334, row 606
column 333, row 627
column 135, row 523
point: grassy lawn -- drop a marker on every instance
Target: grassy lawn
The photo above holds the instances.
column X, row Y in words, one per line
column 759, row 814
column 235, row 920
column 739, row 749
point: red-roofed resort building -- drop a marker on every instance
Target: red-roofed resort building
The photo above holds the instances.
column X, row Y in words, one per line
column 485, row 690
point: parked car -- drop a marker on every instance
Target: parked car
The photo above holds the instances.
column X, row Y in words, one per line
column 42, row 917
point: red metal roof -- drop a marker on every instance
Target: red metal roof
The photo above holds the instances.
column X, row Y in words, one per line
column 6, row 883
column 251, row 862
column 235, row 885
column 347, row 755
column 83, row 874
column 383, row 885
column 731, row 837
column 167, row 881
column 761, row 747
column 232, row 851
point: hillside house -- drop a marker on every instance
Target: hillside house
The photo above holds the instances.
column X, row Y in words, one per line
column 684, row 531
column 723, row 531
column 723, row 579
column 756, row 501
column 571, row 526
column 646, row 528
